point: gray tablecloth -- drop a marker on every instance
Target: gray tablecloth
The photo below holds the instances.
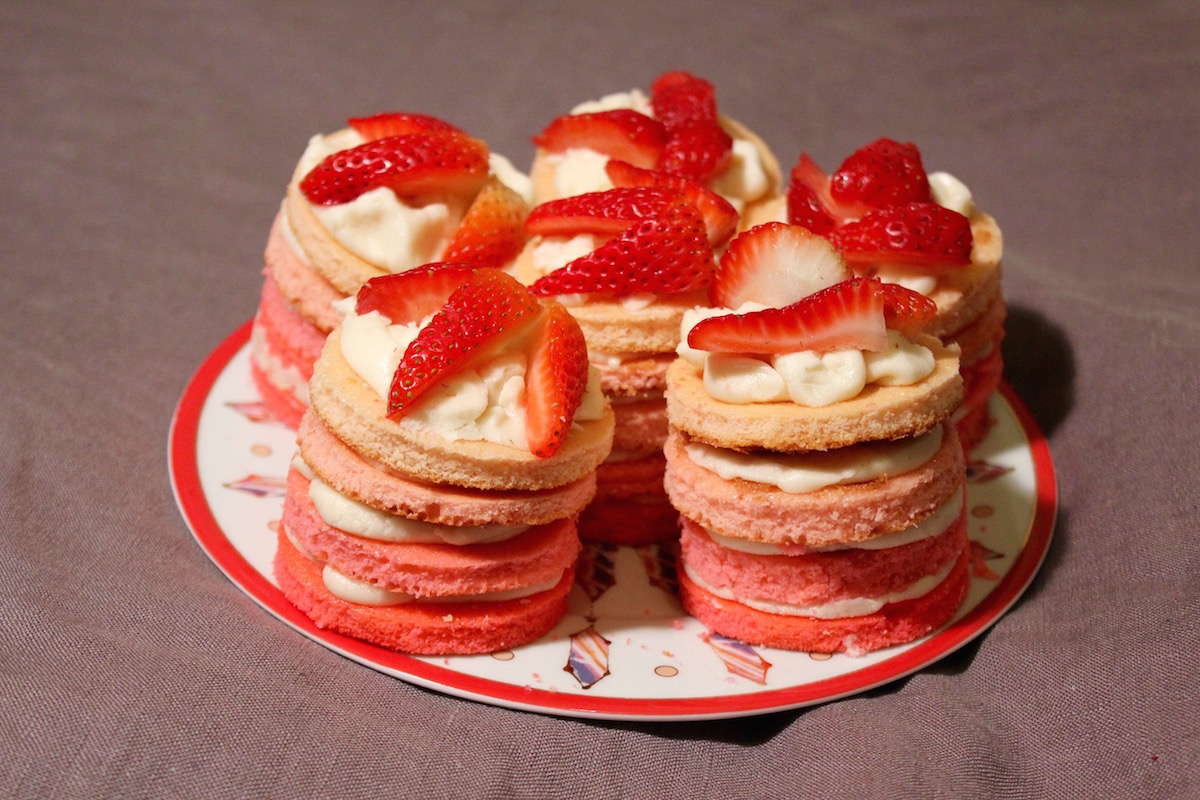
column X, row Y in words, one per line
column 145, row 150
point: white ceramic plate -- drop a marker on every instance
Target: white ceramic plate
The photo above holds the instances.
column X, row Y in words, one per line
column 625, row 649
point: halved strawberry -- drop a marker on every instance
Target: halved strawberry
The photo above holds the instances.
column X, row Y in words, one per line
column 555, row 380
column 394, row 123
column 918, row 234
column 904, row 310
column 846, row 315
column 666, row 254
column 880, row 174
column 604, row 213
column 412, row 296
column 619, row 133
column 679, row 98
column 720, row 217
column 810, row 203
column 489, row 308
column 775, row 264
column 410, row 164
column 493, row 231
column 697, row 150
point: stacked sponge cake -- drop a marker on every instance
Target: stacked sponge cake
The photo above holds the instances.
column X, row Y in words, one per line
column 811, row 456
column 452, row 441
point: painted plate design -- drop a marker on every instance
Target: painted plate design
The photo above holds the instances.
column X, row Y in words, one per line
column 625, row 649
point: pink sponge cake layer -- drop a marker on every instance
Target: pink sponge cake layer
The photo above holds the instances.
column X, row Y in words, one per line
column 370, row 483
column 894, row 623
column 819, row 578
column 310, row 294
column 418, row 627
column 296, row 340
column 283, row 347
column 536, row 556
column 833, row 515
column 282, row 403
column 980, row 380
column 631, row 506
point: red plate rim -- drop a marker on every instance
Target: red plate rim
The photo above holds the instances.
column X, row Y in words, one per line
column 185, row 482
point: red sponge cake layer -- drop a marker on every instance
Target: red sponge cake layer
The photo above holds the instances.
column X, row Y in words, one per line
column 895, row 623
column 421, row 628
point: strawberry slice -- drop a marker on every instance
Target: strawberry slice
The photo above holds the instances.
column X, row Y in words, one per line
column 846, row 315
column 667, row 254
column 679, row 98
column 604, row 213
column 394, row 123
column 904, row 310
column 917, row 234
column 481, row 314
column 720, row 217
column 412, row 296
column 880, row 174
column 775, row 264
column 619, row 133
column 810, row 202
column 698, row 150
column 555, row 380
column 493, row 231
column 410, row 164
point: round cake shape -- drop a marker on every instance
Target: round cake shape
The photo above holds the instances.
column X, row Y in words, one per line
column 357, row 415
column 877, row 413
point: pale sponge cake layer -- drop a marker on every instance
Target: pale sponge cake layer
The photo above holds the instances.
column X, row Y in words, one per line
column 877, row 413
column 833, row 515
column 357, row 415
column 311, row 295
column 421, row 628
column 367, row 482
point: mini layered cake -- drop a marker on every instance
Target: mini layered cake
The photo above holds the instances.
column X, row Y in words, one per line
column 819, row 481
column 453, row 439
column 923, row 231
column 628, row 263
column 389, row 193
column 675, row 129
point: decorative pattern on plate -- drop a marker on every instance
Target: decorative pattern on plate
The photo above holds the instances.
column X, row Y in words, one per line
column 629, row 650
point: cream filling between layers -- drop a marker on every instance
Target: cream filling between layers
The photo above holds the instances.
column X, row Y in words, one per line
column 799, row 473
column 934, row 525
column 838, row 609
column 355, row 591
column 280, row 375
column 351, row 516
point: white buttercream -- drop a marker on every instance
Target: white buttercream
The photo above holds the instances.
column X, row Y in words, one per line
column 807, row 378
column 486, row 403
column 799, row 473
column 355, row 591
column 555, row 252
column 359, row 519
column 949, row 192
column 278, row 374
column 511, row 177
column 383, row 230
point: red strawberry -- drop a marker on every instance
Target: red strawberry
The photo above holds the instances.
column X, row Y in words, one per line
column 880, row 174
column 493, row 231
column 482, row 313
column 604, row 213
column 720, row 217
column 810, row 203
column 697, row 150
column 410, row 164
column 667, row 254
column 395, row 123
column 904, row 310
column 918, row 234
column 620, row 133
column 678, row 98
column 554, row 381
column 849, row 314
column 775, row 264
column 412, row 296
